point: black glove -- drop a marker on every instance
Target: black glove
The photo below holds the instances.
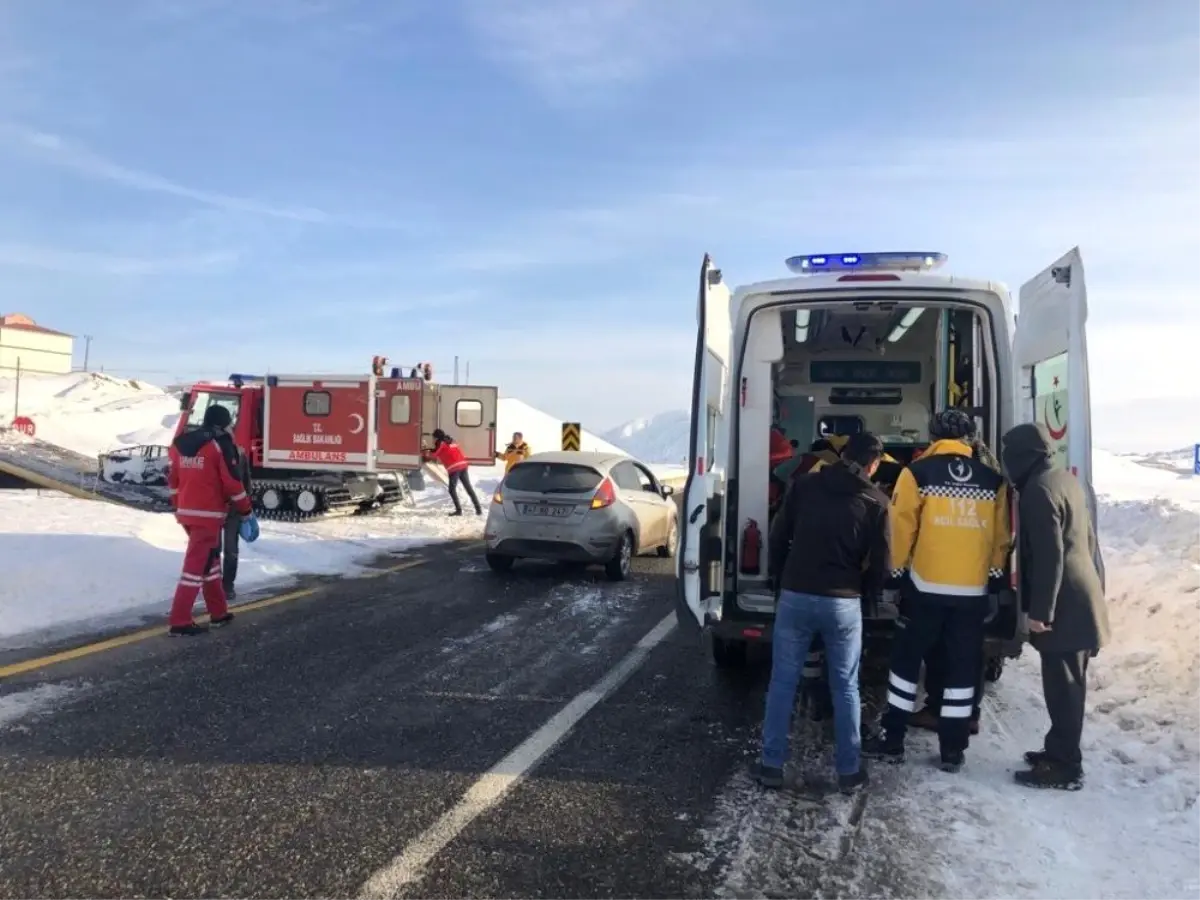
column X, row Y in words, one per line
column 896, row 581
column 998, row 585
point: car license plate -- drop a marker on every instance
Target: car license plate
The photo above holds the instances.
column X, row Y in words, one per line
column 544, row 509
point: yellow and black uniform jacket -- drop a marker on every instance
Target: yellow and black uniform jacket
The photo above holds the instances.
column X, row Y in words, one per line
column 513, row 454
column 949, row 522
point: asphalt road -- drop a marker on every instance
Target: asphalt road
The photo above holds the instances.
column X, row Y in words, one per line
column 302, row 750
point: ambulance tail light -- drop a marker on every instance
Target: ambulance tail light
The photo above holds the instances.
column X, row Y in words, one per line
column 1013, row 524
column 605, row 495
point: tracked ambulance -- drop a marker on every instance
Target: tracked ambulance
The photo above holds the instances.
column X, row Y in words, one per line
column 861, row 342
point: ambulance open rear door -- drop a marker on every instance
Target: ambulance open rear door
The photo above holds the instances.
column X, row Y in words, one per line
column 698, row 572
column 1050, row 356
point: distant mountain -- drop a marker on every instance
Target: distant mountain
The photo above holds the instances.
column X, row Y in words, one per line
column 659, row 439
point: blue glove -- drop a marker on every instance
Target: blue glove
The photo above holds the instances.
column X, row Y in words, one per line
column 249, row 529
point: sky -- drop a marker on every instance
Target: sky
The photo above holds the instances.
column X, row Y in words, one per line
column 208, row 186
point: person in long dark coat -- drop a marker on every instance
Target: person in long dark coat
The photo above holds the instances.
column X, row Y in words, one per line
column 1063, row 596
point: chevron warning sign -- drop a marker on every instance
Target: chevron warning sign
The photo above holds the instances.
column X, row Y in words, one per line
column 571, row 432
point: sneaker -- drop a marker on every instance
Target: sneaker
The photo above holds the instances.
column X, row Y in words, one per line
column 479, row 512
column 882, row 749
column 457, row 512
column 952, row 762
column 222, row 621
column 852, row 784
column 1049, row 774
column 189, row 630
column 767, row 776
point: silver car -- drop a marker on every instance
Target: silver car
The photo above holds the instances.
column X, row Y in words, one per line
column 580, row 508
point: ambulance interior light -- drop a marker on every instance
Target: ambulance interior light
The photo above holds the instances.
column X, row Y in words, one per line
column 905, row 323
column 802, row 317
column 891, row 261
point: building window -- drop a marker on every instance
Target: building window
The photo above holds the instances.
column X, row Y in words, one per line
column 468, row 413
column 400, row 412
column 317, row 403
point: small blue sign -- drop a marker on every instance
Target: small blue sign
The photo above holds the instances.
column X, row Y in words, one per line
column 1196, row 460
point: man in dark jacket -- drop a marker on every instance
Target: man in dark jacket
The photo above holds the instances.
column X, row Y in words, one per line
column 239, row 464
column 828, row 549
column 1063, row 597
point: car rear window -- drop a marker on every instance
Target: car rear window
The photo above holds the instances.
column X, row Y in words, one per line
column 553, row 478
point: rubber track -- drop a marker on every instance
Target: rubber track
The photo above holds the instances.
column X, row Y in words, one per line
column 332, row 501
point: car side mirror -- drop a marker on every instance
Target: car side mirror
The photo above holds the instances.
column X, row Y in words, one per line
column 668, row 490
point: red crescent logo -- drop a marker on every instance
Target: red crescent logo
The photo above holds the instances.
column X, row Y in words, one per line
column 1060, row 433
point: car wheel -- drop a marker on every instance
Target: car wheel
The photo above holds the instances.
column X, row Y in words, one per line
column 728, row 654
column 619, row 567
column 668, row 549
column 498, row 563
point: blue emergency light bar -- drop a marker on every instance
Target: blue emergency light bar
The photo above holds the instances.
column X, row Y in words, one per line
column 815, row 263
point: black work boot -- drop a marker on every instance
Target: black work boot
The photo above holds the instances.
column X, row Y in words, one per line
column 767, row 776
column 189, row 630
column 222, row 621
column 852, row 784
column 883, row 748
column 1048, row 773
column 952, row 761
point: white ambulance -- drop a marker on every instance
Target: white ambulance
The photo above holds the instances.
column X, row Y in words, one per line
column 854, row 342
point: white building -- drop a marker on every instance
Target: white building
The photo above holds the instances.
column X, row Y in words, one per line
column 41, row 351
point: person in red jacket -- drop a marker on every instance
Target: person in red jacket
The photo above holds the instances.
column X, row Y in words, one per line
column 450, row 455
column 203, row 485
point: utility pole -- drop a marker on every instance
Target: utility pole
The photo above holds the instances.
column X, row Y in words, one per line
column 456, row 370
column 87, row 350
column 467, row 376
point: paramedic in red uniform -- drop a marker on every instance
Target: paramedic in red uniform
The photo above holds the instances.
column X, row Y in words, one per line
column 203, row 487
column 450, row 455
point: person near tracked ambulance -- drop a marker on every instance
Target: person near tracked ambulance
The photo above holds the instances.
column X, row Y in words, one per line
column 516, row 451
column 828, row 549
column 1063, row 594
column 231, row 533
column 950, row 540
column 454, row 461
column 203, row 485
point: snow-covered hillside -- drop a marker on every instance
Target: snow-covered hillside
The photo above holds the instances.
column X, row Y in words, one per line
column 660, row 439
column 541, row 430
column 90, row 412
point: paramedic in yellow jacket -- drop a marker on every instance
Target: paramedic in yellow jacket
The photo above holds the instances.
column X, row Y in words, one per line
column 517, row 451
column 950, row 540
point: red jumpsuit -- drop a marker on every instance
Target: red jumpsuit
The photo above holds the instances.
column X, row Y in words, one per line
column 203, row 485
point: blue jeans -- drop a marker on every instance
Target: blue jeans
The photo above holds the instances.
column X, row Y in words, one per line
column 798, row 618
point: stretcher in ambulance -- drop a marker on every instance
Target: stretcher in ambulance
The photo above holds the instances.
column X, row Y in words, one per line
column 851, row 342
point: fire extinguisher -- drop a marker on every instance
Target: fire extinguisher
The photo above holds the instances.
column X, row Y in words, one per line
column 751, row 548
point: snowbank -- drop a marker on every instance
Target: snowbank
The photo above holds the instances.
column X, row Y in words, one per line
column 90, row 412
column 70, row 564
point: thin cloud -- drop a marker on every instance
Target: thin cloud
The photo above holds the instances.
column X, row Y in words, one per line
column 80, row 262
column 54, row 150
column 570, row 46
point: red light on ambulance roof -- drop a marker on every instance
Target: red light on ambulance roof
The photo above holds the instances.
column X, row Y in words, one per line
column 879, row 277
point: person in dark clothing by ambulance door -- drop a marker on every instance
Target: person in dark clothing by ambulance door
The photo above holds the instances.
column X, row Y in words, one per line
column 450, row 455
column 1064, row 593
column 203, row 486
column 929, row 716
column 950, row 536
column 828, row 548
column 231, row 533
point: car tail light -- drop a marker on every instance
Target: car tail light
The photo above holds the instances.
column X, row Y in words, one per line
column 498, row 496
column 604, row 496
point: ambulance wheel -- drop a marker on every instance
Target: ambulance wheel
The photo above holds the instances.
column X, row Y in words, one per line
column 667, row 550
column 728, row 654
column 499, row 563
column 993, row 669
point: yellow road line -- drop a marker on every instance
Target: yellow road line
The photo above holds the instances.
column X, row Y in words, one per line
column 379, row 573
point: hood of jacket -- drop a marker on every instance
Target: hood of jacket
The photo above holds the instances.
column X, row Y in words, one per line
column 190, row 442
column 845, row 478
column 1027, row 450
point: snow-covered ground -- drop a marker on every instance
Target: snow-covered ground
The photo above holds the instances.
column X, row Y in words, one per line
column 73, row 565
column 1134, row 831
